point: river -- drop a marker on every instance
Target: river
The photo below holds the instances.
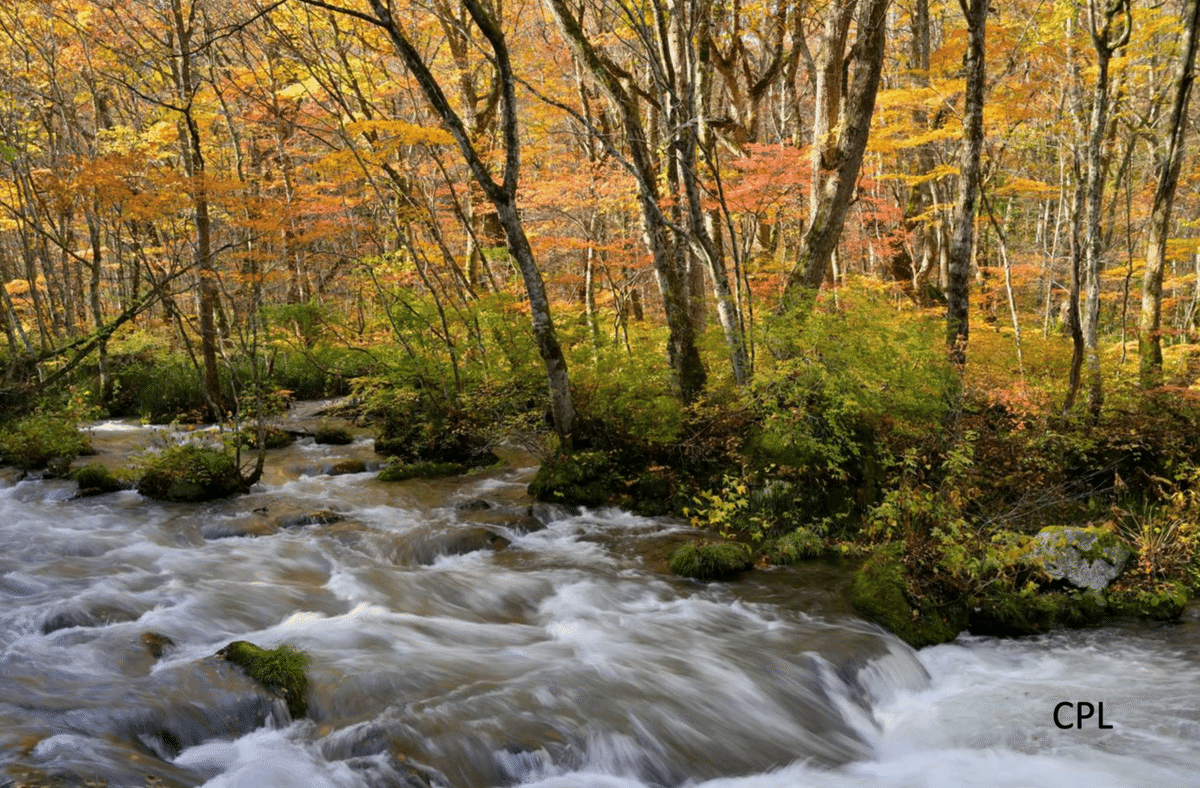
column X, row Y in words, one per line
column 459, row 638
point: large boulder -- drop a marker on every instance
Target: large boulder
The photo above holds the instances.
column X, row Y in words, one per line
column 1088, row 558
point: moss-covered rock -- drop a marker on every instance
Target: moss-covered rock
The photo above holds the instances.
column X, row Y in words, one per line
column 1088, row 558
column 280, row 670
column 401, row 471
column 347, row 467
column 1164, row 602
column 190, row 474
column 1011, row 613
column 96, row 479
column 792, row 547
column 710, row 561
column 880, row 593
column 585, row 478
column 333, row 436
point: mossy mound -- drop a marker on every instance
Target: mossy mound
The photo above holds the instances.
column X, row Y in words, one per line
column 431, row 435
column 95, row 479
column 1014, row 614
column 795, row 546
column 584, row 478
column 400, row 471
column 280, row 670
column 190, row 474
column 333, row 436
column 1162, row 602
column 35, row 442
column 710, row 561
column 880, row 593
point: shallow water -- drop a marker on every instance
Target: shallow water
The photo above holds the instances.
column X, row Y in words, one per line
column 504, row 646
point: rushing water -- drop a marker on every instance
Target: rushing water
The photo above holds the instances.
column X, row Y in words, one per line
column 467, row 647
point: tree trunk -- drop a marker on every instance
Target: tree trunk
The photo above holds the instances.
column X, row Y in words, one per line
column 1106, row 41
column 688, row 373
column 958, row 297
column 1150, row 322
column 203, row 256
column 502, row 195
column 840, row 169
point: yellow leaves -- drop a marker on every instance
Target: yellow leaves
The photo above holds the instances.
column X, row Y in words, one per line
column 879, row 143
column 1027, row 187
column 161, row 134
column 939, row 171
column 398, row 132
column 299, row 90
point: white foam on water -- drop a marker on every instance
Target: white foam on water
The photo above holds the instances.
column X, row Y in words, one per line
column 265, row 759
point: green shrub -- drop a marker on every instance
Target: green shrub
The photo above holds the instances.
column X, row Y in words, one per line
column 280, row 670
column 158, row 389
column 585, row 478
column 96, row 478
column 790, row 548
column 273, row 437
column 32, row 442
column 710, row 561
column 189, row 473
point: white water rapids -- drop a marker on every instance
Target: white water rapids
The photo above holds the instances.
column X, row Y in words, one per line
column 476, row 647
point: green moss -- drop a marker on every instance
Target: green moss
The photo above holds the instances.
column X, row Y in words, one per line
column 399, row 471
column 585, row 478
column 97, row 479
column 1013, row 614
column 710, row 561
column 32, row 442
column 879, row 592
column 1099, row 550
column 334, row 436
column 279, row 670
column 1164, row 603
column 795, row 546
column 188, row 474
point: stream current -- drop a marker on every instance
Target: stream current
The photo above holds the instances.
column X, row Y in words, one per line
column 461, row 638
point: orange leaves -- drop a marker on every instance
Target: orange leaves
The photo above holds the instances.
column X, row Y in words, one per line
column 772, row 182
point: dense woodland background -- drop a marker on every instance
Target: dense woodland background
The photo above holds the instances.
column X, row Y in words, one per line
column 861, row 271
column 187, row 165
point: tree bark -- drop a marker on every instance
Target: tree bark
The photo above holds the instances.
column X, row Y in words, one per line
column 1150, row 322
column 841, row 167
column 1106, row 40
column 688, row 373
column 962, row 238
column 203, row 256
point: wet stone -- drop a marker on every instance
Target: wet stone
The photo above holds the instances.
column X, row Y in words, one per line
column 347, row 467
column 233, row 529
column 302, row 519
column 157, row 643
column 473, row 506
